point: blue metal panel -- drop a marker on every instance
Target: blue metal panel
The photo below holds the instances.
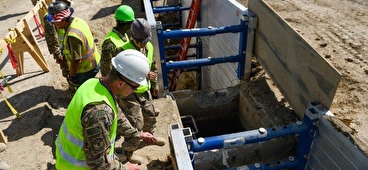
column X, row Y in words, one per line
column 242, row 138
column 170, row 34
column 196, row 32
column 200, row 62
column 169, row 9
column 281, row 164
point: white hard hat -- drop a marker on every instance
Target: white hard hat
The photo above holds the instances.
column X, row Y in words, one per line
column 133, row 65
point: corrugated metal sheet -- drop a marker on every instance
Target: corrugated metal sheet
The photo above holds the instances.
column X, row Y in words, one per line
column 332, row 150
column 219, row 13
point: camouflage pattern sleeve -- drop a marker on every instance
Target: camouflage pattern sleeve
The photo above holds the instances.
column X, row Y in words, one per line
column 154, row 69
column 107, row 52
column 125, row 129
column 51, row 38
column 96, row 121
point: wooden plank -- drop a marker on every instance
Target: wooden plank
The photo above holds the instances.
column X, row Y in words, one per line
column 298, row 70
column 30, row 45
column 3, row 138
column 20, row 61
column 11, row 35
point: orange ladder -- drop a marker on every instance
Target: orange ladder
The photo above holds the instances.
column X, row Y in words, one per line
column 184, row 44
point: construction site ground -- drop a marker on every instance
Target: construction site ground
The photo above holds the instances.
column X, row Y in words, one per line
column 337, row 29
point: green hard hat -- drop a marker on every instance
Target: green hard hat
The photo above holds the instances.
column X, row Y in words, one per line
column 124, row 13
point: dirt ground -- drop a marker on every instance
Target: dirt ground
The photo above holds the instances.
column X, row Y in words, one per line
column 337, row 29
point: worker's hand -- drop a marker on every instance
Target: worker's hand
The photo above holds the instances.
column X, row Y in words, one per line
column 148, row 138
column 131, row 166
column 151, row 75
column 155, row 92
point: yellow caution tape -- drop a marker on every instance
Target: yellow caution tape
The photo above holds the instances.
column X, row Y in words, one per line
column 11, row 107
column 7, row 85
column 10, row 41
column 6, row 101
column 12, row 37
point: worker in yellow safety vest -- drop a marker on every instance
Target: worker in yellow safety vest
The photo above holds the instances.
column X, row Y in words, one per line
column 53, row 36
column 124, row 16
column 86, row 138
column 138, row 107
column 79, row 48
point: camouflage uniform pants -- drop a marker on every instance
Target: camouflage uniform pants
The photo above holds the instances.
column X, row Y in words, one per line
column 53, row 46
column 64, row 68
column 139, row 110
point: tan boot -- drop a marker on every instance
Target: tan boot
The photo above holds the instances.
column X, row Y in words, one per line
column 131, row 157
column 135, row 159
column 160, row 141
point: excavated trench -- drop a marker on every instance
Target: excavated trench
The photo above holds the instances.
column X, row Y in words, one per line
column 226, row 111
column 217, row 112
column 210, row 113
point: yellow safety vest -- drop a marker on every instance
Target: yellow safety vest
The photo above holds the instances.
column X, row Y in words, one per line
column 149, row 55
column 61, row 34
column 90, row 56
column 69, row 143
column 115, row 39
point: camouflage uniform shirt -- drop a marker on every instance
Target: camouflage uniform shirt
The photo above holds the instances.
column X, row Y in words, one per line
column 51, row 38
column 96, row 121
column 108, row 51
